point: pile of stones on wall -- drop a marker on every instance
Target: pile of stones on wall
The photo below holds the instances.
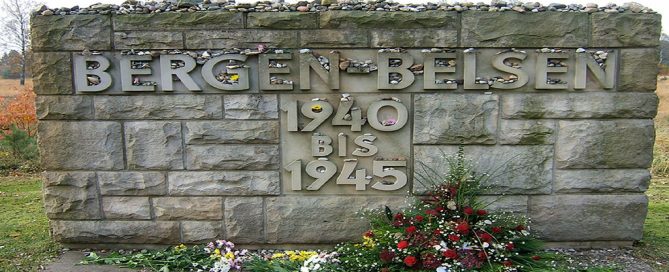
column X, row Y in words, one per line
column 136, row 155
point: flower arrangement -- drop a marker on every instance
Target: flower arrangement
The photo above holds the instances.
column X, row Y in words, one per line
column 225, row 256
column 302, row 261
column 448, row 229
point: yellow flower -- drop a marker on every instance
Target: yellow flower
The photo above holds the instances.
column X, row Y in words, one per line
column 316, row 108
column 230, row 256
column 368, row 242
column 234, row 77
column 217, row 252
column 278, row 255
column 180, row 247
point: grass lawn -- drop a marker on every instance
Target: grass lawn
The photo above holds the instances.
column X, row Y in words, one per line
column 24, row 237
column 655, row 244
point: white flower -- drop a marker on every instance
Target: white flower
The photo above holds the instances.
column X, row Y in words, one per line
column 221, row 266
column 451, row 205
column 442, row 269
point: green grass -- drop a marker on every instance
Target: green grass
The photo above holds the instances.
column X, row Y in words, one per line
column 654, row 248
column 24, row 234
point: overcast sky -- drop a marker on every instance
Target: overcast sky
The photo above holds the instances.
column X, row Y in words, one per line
column 661, row 6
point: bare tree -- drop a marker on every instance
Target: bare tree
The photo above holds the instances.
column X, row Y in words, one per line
column 16, row 29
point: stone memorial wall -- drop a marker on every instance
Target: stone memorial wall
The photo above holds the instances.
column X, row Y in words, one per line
column 277, row 127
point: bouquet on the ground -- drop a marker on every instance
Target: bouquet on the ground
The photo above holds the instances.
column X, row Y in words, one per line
column 449, row 229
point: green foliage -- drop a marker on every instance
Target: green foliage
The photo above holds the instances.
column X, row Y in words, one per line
column 19, row 143
column 25, row 244
column 18, row 152
column 179, row 258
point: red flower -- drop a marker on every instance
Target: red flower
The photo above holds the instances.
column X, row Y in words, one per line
column 520, row 227
column 468, row 210
column 410, row 229
column 462, row 228
column 536, row 258
column 482, row 256
column 431, row 212
column 481, row 212
column 419, row 218
column 386, row 256
column 486, row 237
column 402, row 244
column 453, row 237
column 450, row 254
column 399, row 216
column 410, row 261
column 430, row 261
column 496, row 229
column 369, row 234
column 510, row 246
column 507, row 263
column 439, row 209
column 397, row 223
column 437, row 232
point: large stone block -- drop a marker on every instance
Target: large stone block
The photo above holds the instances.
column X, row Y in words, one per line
column 81, row 145
column 232, row 157
column 148, row 40
column 197, row 232
column 232, row 132
column 334, row 38
column 415, row 38
column 455, row 119
column 282, row 20
column 508, row 203
column 179, row 21
column 291, row 219
column 123, row 207
column 527, row 132
column 64, row 107
column 638, row 70
column 588, row 217
column 72, row 32
column 154, row 145
column 250, row 106
column 158, row 107
column 52, row 72
column 247, row 38
column 579, row 105
column 132, row 183
column 244, row 219
column 625, row 30
column 188, row 208
column 115, row 232
column 605, row 144
column 71, row 195
column 224, row 183
column 601, row 180
column 389, row 20
column 525, row 169
column 512, row 29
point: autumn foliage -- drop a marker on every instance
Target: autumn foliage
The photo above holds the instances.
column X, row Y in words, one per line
column 19, row 111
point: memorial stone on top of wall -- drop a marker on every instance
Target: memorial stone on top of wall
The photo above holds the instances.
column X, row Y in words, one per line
column 154, row 129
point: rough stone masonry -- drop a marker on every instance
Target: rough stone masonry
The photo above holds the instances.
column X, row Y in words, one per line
column 165, row 124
